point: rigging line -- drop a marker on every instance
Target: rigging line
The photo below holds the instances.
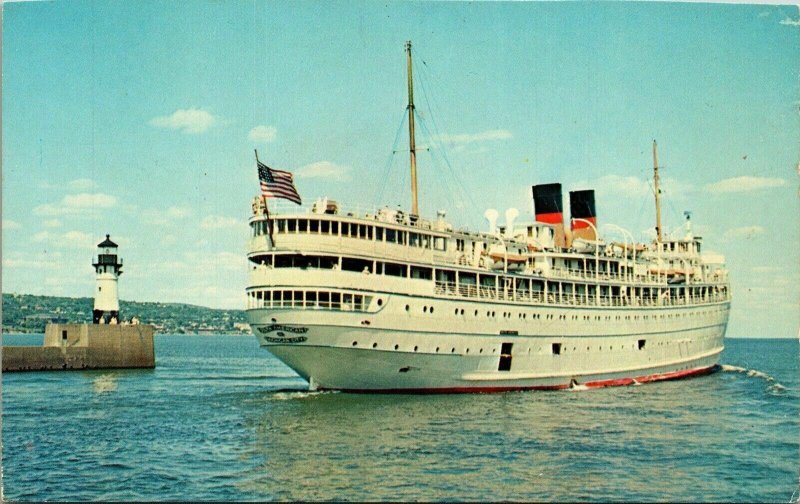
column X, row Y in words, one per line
column 439, row 141
column 435, row 160
column 387, row 167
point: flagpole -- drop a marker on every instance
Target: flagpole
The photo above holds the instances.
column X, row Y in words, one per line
column 266, row 209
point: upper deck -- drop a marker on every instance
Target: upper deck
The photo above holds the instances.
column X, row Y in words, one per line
column 387, row 240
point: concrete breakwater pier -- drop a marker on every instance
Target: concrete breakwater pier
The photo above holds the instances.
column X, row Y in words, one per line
column 85, row 346
column 102, row 345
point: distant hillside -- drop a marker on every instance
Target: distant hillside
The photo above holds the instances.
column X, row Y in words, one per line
column 28, row 313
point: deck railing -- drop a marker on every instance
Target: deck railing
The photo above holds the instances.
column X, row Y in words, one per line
column 451, row 289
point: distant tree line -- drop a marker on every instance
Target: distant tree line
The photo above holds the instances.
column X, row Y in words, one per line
column 26, row 313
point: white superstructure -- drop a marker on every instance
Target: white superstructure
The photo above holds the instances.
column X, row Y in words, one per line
column 390, row 301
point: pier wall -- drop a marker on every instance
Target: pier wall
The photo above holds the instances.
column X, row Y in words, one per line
column 85, row 346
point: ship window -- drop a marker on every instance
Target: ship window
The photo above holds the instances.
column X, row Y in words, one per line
column 325, row 227
column 396, row 347
column 350, row 264
column 302, row 226
column 556, row 347
column 336, row 300
column 642, row 344
column 370, row 232
column 393, row 269
column 439, row 243
column 335, row 227
column 291, row 225
column 402, row 237
column 287, row 298
column 362, row 231
column 311, row 299
column 391, row 235
column 422, row 273
column 324, row 300
column 379, row 233
column 313, row 226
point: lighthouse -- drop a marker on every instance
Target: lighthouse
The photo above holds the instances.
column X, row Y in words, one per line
column 108, row 268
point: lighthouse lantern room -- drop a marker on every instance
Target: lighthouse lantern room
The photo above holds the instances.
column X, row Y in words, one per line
column 108, row 268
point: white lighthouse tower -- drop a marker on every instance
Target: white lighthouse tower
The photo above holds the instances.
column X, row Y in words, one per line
column 108, row 267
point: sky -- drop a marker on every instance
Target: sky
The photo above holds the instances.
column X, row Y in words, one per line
column 140, row 119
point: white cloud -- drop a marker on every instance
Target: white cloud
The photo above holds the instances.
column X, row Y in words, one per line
column 81, row 184
column 218, row 222
column 52, row 223
column 262, row 133
column 324, row 169
column 790, row 22
column 10, row 224
column 743, row 233
column 483, row 136
column 76, row 204
column 191, row 121
column 743, row 184
column 70, row 239
column 633, row 187
column 166, row 217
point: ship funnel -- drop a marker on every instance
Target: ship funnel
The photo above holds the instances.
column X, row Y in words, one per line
column 511, row 214
column 491, row 216
column 582, row 209
column 548, row 207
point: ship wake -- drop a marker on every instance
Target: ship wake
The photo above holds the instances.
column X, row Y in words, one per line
column 773, row 386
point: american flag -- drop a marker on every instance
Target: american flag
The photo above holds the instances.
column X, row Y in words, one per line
column 277, row 184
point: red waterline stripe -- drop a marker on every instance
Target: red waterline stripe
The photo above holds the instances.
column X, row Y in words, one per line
column 550, row 218
column 674, row 375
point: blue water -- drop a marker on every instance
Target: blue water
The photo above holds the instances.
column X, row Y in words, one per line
column 220, row 419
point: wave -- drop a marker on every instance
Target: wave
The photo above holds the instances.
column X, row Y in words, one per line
column 754, row 373
column 288, row 395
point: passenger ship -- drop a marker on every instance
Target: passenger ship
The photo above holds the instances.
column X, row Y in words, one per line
column 390, row 301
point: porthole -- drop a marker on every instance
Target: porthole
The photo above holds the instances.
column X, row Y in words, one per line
column 467, row 350
column 437, row 349
column 408, row 307
column 424, row 309
column 431, row 309
column 415, row 348
column 396, row 347
column 380, row 302
column 455, row 312
column 462, row 311
column 355, row 343
column 476, row 313
column 374, row 345
column 452, row 350
column 480, row 351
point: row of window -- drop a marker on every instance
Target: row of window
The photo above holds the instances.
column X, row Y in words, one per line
column 309, row 299
column 350, row 230
column 498, row 287
column 555, row 348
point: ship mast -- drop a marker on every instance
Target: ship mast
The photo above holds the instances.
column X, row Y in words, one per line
column 411, row 139
column 657, row 191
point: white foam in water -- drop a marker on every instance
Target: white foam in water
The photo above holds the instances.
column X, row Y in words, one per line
column 754, row 373
column 300, row 394
column 576, row 388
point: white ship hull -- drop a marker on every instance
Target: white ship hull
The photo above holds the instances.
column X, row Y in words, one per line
column 441, row 350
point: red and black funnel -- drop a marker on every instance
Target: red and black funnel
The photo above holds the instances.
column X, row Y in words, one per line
column 581, row 205
column 549, row 208
column 547, row 204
